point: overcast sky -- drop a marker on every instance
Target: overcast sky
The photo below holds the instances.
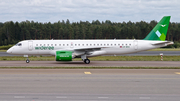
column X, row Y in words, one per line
column 88, row 10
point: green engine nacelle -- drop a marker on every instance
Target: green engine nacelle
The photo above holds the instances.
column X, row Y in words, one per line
column 63, row 56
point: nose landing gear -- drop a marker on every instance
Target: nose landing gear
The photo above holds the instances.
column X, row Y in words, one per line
column 27, row 60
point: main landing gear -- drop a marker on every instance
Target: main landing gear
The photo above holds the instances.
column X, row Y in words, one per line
column 86, row 61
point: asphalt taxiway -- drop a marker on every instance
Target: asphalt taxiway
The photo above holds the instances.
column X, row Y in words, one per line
column 89, row 85
column 92, row 64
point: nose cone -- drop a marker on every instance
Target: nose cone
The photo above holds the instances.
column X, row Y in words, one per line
column 9, row 51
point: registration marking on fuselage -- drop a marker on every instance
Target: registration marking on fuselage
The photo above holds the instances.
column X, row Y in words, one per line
column 87, row 72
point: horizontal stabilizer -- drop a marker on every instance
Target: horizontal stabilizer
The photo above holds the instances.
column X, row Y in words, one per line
column 163, row 43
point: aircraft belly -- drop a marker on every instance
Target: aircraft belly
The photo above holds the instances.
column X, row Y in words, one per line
column 35, row 52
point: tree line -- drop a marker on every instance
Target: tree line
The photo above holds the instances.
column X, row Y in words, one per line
column 13, row 32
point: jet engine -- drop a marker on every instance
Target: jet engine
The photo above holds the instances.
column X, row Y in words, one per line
column 64, row 56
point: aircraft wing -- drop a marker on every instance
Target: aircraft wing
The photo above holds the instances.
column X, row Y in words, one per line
column 79, row 51
column 87, row 49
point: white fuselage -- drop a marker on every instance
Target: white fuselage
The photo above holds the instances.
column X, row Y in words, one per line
column 79, row 47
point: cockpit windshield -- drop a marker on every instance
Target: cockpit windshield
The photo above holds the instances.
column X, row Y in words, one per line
column 18, row 44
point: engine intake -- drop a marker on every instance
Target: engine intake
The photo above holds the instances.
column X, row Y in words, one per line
column 63, row 56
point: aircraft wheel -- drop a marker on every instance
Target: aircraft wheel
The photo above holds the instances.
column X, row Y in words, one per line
column 27, row 61
column 87, row 61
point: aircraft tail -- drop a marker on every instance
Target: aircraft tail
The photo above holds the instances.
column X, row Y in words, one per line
column 160, row 30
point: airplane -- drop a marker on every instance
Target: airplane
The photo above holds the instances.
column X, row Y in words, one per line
column 66, row 50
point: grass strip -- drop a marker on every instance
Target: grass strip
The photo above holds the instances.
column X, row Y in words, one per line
column 3, row 50
column 89, row 67
column 5, row 47
column 165, row 49
column 99, row 58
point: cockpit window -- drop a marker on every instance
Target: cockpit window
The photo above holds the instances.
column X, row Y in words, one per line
column 19, row 44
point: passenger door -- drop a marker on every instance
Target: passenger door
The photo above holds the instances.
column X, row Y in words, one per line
column 135, row 44
column 30, row 45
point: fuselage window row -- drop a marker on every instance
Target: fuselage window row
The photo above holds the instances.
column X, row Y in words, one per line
column 83, row 44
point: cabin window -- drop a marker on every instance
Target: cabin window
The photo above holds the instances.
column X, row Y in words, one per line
column 55, row 44
column 78, row 44
column 51, row 44
column 75, row 44
column 40, row 45
column 67, row 44
column 101, row 44
column 83, row 44
column 129, row 44
column 118, row 44
column 90, row 44
column 86, row 44
column 63, row 44
column 111, row 44
column 59, row 44
column 107, row 44
column 94, row 44
column 126, row 44
column 104, row 44
column 36, row 44
column 97, row 44
column 114, row 44
column 122, row 44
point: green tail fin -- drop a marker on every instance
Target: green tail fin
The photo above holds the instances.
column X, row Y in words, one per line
column 160, row 30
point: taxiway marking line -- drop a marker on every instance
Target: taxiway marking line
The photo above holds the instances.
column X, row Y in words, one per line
column 18, row 97
column 61, row 97
column 177, row 73
column 144, row 97
column 103, row 97
column 87, row 72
